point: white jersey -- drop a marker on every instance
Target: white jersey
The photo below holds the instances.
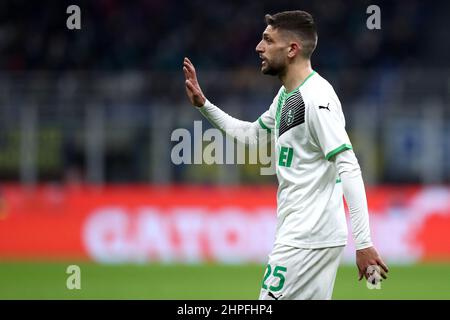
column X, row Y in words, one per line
column 309, row 130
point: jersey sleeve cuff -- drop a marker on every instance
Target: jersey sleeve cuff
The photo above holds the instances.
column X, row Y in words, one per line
column 339, row 149
column 364, row 245
column 207, row 104
column 261, row 123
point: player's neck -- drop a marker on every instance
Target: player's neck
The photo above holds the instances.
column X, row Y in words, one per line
column 296, row 74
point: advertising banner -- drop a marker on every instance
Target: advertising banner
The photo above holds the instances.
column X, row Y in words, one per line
column 192, row 224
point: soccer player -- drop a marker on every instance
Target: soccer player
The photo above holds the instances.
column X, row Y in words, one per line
column 315, row 165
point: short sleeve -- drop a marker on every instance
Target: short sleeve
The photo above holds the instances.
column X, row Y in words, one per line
column 267, row 121
column 326, row 125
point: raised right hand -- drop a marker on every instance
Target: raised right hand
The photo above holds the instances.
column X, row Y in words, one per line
column 193, row 90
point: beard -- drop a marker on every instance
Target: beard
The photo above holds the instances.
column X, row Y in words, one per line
column 273, row 68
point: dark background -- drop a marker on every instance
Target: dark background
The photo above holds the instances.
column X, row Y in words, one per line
column 99, row 104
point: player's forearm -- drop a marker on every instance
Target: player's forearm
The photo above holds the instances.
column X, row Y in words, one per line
column 244, row 131
column 355, row 196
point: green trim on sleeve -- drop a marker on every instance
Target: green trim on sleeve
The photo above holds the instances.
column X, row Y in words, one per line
column 261, row 123
column 334, row 152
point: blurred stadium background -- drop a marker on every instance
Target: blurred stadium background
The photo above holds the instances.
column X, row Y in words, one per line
column 86, row 119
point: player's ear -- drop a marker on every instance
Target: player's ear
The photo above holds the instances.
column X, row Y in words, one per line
column 294, row 49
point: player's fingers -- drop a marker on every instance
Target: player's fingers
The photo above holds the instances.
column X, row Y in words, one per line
column 188, row 61
column 382, row 271
column 361, row 274
column 189, row 65
column 191, row 87
column 191, row 73
column 186, row 73
column 188, row 86
column 382, row 265
column 188, row 69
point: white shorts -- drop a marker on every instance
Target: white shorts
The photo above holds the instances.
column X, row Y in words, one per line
column 300, row 274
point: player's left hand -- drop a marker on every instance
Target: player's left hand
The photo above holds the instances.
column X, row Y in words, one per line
column 369, row 257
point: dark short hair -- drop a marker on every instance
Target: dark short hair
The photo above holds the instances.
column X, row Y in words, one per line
column 301, row 23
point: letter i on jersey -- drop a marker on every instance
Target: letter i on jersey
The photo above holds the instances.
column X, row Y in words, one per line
column 285, row 159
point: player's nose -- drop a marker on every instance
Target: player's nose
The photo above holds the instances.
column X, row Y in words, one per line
column 259, row 47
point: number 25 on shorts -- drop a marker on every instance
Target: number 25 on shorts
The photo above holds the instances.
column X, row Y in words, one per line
column 277, row 273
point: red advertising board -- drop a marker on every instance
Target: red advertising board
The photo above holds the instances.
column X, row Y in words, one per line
column 190, row 224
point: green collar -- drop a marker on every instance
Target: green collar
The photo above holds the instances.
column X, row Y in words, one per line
column 309, row 76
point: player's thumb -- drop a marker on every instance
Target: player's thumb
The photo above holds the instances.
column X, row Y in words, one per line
column 191, row 87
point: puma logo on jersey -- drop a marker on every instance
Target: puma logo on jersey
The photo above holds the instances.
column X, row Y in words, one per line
column 322, row 107
column 273, row 296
